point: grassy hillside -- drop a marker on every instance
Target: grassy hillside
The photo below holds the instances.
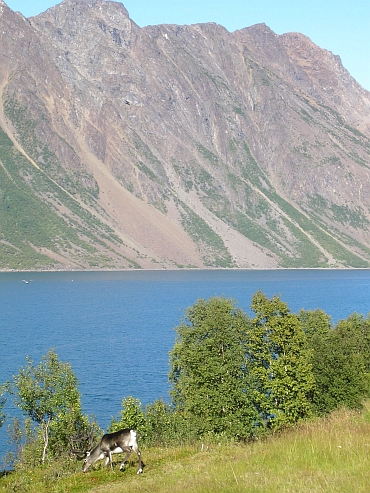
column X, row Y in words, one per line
column 329, row 455
column 37, row 215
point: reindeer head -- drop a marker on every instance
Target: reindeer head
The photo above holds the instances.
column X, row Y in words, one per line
column 87, row 463
column 92, row 456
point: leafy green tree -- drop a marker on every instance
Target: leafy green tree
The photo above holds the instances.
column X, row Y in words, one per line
column 71, row 429
column 357, row 328
column 210, row 384
column 341, row 366
column 315, row 324
column 165, row 425
column 131, row 416
column 48, row 394
column 158, row 424
column 279, row 363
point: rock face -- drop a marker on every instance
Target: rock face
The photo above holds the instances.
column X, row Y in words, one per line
column 176, row 146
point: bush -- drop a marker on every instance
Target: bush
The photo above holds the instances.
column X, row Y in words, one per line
column 131, row 416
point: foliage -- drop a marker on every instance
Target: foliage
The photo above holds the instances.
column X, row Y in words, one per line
column 131, row 416
column 341, row 365
column 165, row 426
column 279, row 362
column 232, row 375
column 210, row 244
column 210, row 384
column 48, row 394
column 29, row 219
column 23, row 437
column 158, row 424
column 3, row 389
column 315, row 324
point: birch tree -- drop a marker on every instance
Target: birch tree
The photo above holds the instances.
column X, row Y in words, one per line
column 210, row 385
column 279, row 362
column 47, row 392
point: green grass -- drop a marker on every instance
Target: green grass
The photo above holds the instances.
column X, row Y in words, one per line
column 324, row 456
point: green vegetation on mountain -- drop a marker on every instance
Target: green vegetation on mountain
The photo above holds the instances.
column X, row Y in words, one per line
column 38, row 150
column 38, row 216
column 210, row 244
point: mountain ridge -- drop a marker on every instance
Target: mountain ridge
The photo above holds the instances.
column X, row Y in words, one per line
column 178, row 146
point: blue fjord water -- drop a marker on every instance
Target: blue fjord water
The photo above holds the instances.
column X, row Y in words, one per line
column 116, row 328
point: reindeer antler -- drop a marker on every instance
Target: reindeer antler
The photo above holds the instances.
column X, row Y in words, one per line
column 81, row 440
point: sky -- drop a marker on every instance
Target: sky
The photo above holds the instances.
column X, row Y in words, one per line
column 340, row 26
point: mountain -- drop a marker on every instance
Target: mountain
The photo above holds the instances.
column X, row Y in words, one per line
column 176, row 146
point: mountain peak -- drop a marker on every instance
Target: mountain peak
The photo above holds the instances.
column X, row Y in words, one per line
column 106, row 4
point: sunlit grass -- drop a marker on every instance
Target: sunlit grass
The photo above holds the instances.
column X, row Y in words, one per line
column 329, row 455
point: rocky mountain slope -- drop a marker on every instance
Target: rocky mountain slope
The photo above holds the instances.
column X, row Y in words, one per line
column 176, row 146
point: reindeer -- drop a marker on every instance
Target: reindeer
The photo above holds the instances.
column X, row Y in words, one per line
column 114, row 443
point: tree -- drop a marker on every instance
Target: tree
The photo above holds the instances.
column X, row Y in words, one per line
column 131, row 416
column 165, row 425
column 279, row 363
column 358, row 337
column 315, row 324
column 210, row 384
column 3, row 389
column 48, row 394
column 341, row 365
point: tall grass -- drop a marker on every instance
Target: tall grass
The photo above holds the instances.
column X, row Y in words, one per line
column 328, row 455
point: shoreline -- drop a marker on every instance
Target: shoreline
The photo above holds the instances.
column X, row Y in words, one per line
column 187, row 269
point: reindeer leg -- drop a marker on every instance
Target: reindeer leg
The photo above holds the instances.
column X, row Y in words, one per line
column 106, row 461
column 141, row 464
column 110, row 459
column 128, row 450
